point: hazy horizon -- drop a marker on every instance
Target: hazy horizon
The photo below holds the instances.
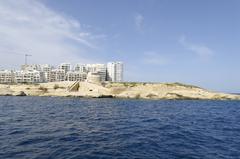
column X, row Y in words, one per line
column 192, row 42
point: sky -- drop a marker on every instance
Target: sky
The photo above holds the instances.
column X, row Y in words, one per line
column 187, row 41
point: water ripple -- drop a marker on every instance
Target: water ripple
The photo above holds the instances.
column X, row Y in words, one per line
column 44, row 127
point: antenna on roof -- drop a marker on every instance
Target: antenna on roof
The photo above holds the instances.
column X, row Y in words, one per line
column 26, row 55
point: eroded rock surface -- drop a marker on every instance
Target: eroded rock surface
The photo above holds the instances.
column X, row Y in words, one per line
column 116, row 90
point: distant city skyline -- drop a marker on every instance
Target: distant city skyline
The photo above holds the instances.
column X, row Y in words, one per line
column 194, row 42
column 44, row 73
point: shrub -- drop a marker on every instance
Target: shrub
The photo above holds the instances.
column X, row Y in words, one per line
column 44, row 89
column 138, row 96
column 130, row 84
column 56, row 86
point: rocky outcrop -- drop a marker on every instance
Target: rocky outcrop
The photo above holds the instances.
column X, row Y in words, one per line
column 20, row 93
column 116, row 90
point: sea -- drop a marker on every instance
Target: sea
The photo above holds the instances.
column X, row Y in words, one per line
column 81, row 128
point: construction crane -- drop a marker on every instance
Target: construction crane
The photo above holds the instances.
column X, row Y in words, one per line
column 16, row 53
column 26, row 56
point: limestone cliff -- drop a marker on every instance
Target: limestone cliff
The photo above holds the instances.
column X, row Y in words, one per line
column 115, row 90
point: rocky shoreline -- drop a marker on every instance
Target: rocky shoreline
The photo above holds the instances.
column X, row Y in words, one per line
column 132, row 90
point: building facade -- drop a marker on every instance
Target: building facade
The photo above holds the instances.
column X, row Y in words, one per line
column 80, row 68
column 101, row 69
column 76, row 76
column 6, row 76
column 115, row 71
column 65, row 66
column 46, row 69
column 30, row 76
column 57, row 75
column 34, row 73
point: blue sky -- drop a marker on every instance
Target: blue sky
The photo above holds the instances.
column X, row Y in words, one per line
column 187, row 41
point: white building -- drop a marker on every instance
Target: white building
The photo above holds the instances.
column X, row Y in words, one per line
column 115, row 71
column 65, row 66
column 36, row 73
column 31, row 67
column 76, row 76
column 80, row 68
column 31, row 76
column 6, row 76
column 46, row 69
column 101, row 69
column 57, row 75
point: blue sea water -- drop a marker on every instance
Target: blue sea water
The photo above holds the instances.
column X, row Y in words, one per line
column 50, row 127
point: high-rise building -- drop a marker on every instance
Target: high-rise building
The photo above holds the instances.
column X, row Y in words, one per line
column 65, row 66
column 115, row 71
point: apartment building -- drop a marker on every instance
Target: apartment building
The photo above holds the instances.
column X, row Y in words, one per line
column 65, row 66
column 76, row 76
column 30, row 76
column 34, row 73
column 6, row 76
column 80, row 68
column 46, row 69
column 57, row 75
column 115, row 71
